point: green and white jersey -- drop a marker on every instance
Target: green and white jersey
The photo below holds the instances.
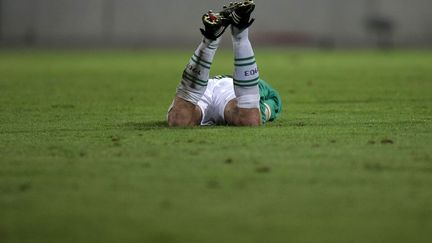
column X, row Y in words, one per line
column 220, row 90
column 271, row 99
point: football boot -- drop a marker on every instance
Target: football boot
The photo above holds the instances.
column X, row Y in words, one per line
column 215, row 24
column 240, row 15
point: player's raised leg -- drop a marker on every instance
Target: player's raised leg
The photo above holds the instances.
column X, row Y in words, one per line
column 246, row 74
column 185, row 111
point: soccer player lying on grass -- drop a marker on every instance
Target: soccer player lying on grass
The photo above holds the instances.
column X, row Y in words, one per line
column 243, row 99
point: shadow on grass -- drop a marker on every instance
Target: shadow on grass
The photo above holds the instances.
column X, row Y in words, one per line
column 145, row 126
column 159, row 125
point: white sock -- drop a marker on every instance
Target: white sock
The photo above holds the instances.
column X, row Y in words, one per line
column 246, row 74
column 196, row 75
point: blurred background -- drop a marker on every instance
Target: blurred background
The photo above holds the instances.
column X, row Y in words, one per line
column 173, row 23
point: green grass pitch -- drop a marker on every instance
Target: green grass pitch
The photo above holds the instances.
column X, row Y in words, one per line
column 86, row 156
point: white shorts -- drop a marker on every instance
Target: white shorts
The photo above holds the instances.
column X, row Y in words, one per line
column 212, row 104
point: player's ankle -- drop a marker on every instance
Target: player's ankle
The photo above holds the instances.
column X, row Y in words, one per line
column 210, row 43
column 239, row 34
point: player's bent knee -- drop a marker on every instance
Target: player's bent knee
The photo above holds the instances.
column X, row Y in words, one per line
column 242, row 117
column 245, row 121
column 184, row 114
column 174, row 121
column 180, row 119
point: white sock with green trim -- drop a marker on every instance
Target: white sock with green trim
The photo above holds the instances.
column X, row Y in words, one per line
column 196, row 75
column 246, row 74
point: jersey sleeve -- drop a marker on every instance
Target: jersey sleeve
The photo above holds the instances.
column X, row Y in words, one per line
column 271, row 98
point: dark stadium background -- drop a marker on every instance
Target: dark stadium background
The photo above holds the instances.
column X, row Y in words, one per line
column 173, row 23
